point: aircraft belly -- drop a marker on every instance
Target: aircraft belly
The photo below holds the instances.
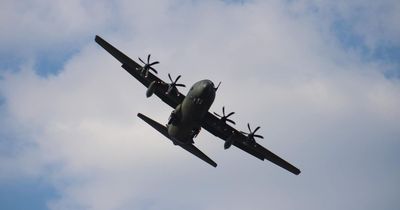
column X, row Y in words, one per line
column 190, row 118
column 192, row 112
column 180, row 133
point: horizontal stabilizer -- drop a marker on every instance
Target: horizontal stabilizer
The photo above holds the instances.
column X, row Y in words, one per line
column 195, row 151
column 188, row 147
column 162, row 129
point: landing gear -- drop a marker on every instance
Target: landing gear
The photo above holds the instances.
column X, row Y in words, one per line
column 175, row 116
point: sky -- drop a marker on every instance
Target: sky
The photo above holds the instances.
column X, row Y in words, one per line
column 321, row 78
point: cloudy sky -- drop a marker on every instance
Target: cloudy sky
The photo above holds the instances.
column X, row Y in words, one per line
column 321, row 78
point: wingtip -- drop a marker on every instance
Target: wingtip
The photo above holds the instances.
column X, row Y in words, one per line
column 97, row 38
column 141, row 116
column 297, row 172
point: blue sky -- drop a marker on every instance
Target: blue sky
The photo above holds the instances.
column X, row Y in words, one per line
column 25, row 193
column 327, row 74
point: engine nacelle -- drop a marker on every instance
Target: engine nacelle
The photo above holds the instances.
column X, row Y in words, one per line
column 150, row 90
column 229, row 142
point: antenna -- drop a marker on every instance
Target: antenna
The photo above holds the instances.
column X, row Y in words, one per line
column 217, row 86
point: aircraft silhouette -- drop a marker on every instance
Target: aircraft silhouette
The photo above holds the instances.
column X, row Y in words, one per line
column 191, row 113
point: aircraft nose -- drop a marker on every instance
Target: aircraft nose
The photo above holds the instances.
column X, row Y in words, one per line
column 211, row 84
column 209, row 88
column 208, row 84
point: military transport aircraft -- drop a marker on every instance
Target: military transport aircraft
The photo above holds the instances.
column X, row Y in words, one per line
column 191, row 113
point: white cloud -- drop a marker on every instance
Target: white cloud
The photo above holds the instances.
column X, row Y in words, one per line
column 31, row 27
column 375, row 22
column 320, row 107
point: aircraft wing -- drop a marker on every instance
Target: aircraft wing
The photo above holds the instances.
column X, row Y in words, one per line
column 224, row 131
column 135, row 70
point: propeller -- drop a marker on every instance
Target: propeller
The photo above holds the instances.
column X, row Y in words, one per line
column 172, row 86
column 252, row 134
column 224, row 118
column 148, row 66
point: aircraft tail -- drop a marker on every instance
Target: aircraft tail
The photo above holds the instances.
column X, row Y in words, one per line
column 188, row 147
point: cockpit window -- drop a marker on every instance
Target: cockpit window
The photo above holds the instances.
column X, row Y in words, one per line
column 197, row 101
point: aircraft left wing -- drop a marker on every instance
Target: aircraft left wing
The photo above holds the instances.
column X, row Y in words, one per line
column 224, row 131
column 135, row 70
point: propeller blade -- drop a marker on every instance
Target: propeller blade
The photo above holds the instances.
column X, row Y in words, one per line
column 217, row 114
column 148, row 58
column 230, row 114
column 154, row 63
column 155, row 71
column 169, row 75
column 141, row 60
column 248, row 126
column 244, row 133
column 259, row 136
column 231, row 121
column 256, row 129
column 180, row 85
column 176, row 80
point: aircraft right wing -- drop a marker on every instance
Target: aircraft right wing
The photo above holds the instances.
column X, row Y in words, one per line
column 232, row 136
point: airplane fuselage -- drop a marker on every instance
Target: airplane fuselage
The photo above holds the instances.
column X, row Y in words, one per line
column 185, row 121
